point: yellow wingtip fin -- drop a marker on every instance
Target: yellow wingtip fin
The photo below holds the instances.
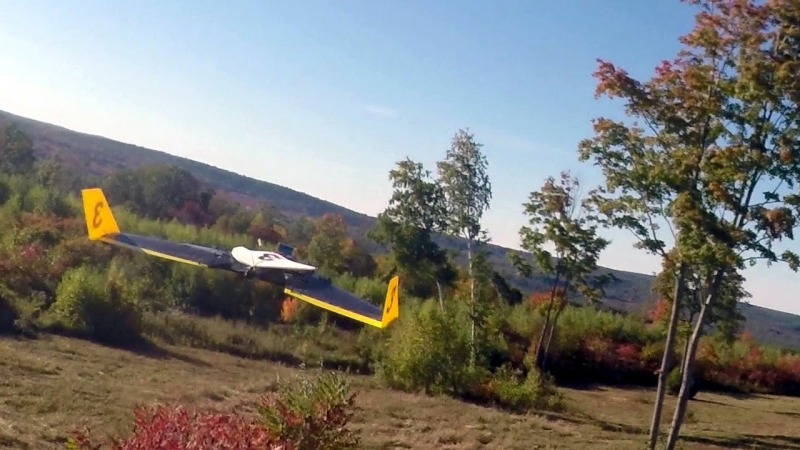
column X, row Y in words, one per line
column 99, row 219
column 391, row 310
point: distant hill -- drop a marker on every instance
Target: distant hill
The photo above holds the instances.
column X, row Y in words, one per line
column 98, row 155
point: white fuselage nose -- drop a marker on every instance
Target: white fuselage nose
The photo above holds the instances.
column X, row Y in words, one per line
column 268, row 260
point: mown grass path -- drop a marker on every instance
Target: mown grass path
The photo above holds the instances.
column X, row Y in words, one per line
column 52, row 385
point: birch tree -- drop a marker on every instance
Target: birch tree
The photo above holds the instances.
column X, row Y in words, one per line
column 468, row 193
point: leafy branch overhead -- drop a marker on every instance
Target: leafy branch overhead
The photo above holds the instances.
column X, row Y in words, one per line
column 466, row 186
column 559, row 220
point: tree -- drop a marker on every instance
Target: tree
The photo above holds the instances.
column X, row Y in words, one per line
column 559, row 219
column 722, row 124
column 407, row 226
column 265, row 226
column 467, row 193
column 156, row 192
column 16, row 151
column 328, row 246
column 359, row 262
column 300, row 231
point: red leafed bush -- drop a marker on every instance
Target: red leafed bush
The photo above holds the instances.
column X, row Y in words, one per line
column 540, row 300
column 304, row 414
column 600, row 350
column 660, row 311
column 627, row 356
column 175, row 428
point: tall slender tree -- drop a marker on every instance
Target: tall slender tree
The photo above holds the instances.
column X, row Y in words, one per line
column 468, row 193
column 560, row 220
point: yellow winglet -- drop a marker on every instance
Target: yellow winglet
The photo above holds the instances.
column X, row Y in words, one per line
column 99, row 219
column 391, row 309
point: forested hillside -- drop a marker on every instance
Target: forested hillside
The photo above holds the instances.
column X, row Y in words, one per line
column 95, row 155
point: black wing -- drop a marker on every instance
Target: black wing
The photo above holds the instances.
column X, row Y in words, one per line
column 321, row 293
column 196, row 255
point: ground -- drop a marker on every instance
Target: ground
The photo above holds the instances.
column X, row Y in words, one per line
column 51, row 385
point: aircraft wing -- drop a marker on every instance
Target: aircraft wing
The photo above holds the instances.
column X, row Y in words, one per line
column 323, row 294
column 102, row 226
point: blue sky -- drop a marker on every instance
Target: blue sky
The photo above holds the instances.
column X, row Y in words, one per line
column 325, row 96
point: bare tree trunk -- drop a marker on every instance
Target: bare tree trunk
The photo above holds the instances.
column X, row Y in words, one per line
column 688, row 364
column 688, row 340
column 537, row 356
column 537, row 360
column 550, row 339
column 666, row 359
column 441, row 296
column 473, row 350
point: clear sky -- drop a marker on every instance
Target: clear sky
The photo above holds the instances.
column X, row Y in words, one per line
column 325, row 96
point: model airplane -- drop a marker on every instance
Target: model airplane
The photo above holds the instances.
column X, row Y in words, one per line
column 297, row 279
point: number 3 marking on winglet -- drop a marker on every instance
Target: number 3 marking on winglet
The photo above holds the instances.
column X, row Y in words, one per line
column 391, row 299
column 97, row 220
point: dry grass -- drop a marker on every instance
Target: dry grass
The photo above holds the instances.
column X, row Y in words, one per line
column 52, row 385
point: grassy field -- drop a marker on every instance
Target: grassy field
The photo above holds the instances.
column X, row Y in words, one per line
column 52, row 385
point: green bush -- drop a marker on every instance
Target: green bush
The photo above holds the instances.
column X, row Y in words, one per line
column 674, row 381
column 312, row 413
column 98, row 304
column 430, row 351
column 533, row 392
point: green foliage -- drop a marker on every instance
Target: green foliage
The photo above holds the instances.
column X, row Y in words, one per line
column 430, row 351
column 16, row 151
column 559, row 219
column 51, row 276
column 74, row 150
column 8, row 312
column 716, row 152
column 312, row 414
column 407, row 226
column 98, row 304
column 533, row 392
column 465, row 185
column 674, row 381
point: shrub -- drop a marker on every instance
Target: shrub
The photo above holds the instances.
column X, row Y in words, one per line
column 8, row 312
column 175, row 427
column 312, row 414
column 303, row 414
column 98, row 304
column 430, row 351
column 533, row 392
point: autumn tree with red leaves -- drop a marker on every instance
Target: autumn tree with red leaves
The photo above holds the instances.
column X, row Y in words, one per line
column 716, row 137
